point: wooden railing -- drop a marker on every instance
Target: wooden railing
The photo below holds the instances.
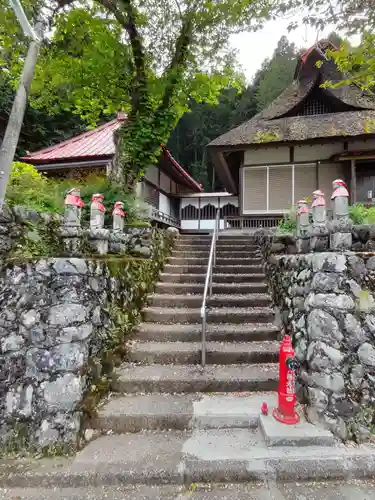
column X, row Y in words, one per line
column 160, row 216
column 252, row 221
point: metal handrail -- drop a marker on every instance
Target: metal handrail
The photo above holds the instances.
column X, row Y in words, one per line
column 208, row 284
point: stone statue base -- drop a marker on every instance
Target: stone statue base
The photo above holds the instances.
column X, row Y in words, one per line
column 72, row 239
column 319, row 242
column 341, row 241
column 118, row 242
column 303, row 245
column 98, row 240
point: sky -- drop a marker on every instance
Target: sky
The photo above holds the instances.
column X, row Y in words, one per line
column 253, row 48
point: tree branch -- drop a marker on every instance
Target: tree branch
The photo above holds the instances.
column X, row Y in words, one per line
column 126, row 16
column 178, row 7
column 178, row 62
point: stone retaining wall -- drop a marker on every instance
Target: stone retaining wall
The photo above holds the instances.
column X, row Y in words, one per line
column 327, row 305
column 62, row 326
column 26, row 233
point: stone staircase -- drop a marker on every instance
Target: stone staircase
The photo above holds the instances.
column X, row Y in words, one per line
column 154, row 388
column 170, row 427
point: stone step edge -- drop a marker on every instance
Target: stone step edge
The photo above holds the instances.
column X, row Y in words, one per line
column 134, row 412
column 215, row 274
column 235, row 327
column 91, row 467
column 251, row 297
column 263, row 310
column 178, row 378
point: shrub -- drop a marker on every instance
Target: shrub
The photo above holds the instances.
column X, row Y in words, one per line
column 360, row 214
column 357, row 213
column 31, row 189
column 289, row 222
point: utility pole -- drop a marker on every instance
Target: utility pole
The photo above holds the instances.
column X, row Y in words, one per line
column 9, row 145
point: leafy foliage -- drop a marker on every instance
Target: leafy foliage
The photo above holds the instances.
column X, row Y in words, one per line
column 40, row 129
column 356, row 63
column 361, row 214
column 277, row 73
column 27, row 187
column 289, row 222
column 145, row 57
column 34, row 191
column 352, row 17
column 203, row 122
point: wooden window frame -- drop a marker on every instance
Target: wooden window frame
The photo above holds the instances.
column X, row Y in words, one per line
column 268, row 167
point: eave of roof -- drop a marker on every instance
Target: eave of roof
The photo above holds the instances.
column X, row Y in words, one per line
column 299, row 128
column 366, row 154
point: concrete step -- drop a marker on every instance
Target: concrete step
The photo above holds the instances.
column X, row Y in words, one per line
column 192, row 378
column 136, row 412
column 233, row 261
column 217, row 278
column 209, row 456
column 179, row 300
column 219, row 253
column 221, row 237
column 223, row 246
column 170, row 315
column 217, row 288
column 347, row 490
column 223, row 332
column 221, row 269
column 217, row 353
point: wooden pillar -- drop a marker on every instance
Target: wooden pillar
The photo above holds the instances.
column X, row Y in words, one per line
column 353, row 183
column 199, row 214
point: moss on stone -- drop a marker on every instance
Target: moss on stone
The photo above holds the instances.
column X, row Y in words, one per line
column 138, row 275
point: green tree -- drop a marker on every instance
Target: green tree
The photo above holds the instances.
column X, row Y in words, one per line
column 277, row 73
column 148, row 58
column 204, row 122
column 39, row 129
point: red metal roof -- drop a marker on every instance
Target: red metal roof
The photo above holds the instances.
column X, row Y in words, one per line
column 96, row 144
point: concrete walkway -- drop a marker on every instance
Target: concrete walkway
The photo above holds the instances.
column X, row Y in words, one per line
column 358, row 490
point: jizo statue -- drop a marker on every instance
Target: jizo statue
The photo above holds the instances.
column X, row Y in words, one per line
column 319, row 210
column 97, row 211
column 73, row 207
column 302, row 219
column 340, row 200
column 118, row 216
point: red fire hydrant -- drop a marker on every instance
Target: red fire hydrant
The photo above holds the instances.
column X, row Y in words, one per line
column 286, row 412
